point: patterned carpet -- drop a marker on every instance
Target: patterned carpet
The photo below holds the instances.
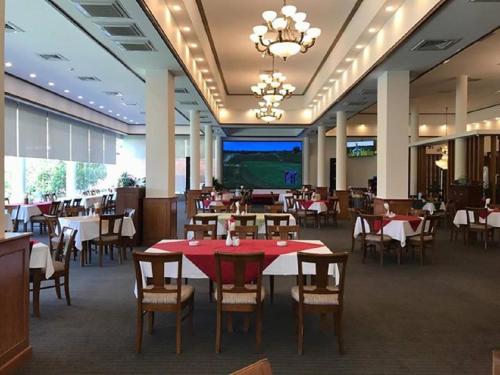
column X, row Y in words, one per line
column 443, row 318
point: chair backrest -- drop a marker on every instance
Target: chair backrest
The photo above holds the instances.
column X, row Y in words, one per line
column 332, row 204
column 6, row 200
column 157, row 262
column 429, row 226
column 275, row 208
column 206, row 220
column 245, row 220
column 65, row 244
column 238, row 264
column 110, row 225
column 262, row 367
column 290, row 202
column 199, row 204
column 418, row 212
column 275, row 221
column 201, row 231
column 72, row 211
column 288, row 232
column 77, row 202
column 13, row 212
column 53, row 225
column 477, row 213
column 245, row 232
column 104, row 198
column 322, row 263
column 129, row 212
column 54, row 208
column 217, row 209
column 66, row 203
column 371, row 224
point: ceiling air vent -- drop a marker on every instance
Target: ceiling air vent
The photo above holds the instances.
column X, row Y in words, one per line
column 355, row 104
column 102, row 8
column 89, row 79
column 205, row 122
column 126, row 30
column 11, row 28
column 53, row 57
column 434, row 45
column 137, row 46
column 113, row 93
column 181, row 91
column 366, row 92
column 188, row 103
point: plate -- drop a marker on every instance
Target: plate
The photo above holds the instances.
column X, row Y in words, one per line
column 281, row 243
column 194, row 243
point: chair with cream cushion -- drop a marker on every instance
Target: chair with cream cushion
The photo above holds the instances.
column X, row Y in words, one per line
column 479, row 224
column 426, row 236
column 238, row 295
column 321, row 297
column 154, row 294
column 373, row 237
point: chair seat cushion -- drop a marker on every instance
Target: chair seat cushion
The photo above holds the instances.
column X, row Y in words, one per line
column 377, row 238
column 58, row 267
column 479, row 226
column 110, row 238
column 240, row 298
column 167, row 298
column 37, row 218
column 427, row 238
column 316, row 299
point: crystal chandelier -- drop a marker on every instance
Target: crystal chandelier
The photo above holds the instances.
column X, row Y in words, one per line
column 284, row 35
column 443, row 162
column 272, row 87
column 268, row 112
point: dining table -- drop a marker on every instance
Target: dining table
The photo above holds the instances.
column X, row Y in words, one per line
column 493, row 218
column 26, row 211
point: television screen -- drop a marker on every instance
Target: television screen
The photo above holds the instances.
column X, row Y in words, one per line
column 361, row 148
column 262, row 164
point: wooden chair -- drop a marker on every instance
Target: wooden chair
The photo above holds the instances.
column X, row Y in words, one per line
column 156, row 295
column 40, row 219
column 371, row 239
column 61, row 261
column 290, row 205
column 426, row 237
column 53, row 230
column 331, row 212
column 128, row 212
column 484, row 229
column 275, row 221
column 199, row 204
column 13, row 212
column 289, row 232
column 262, row 367
column 206, row 220
column 245, row 232
column 449, row 216
column 65, row 205
column 218, row 209
column 302, row 214
column 353, row 216
column 201, row 231
column 110, row 235
column 418, row 212
column 245, row 219
column 239, row 295
column 320, row 297
column 276, row 208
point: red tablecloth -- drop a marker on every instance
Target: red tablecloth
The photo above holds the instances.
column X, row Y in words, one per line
column 207, row 202
column 306, row 203
column 203, row 254
column 44, row 207
column 414, row 221
column 483, row 214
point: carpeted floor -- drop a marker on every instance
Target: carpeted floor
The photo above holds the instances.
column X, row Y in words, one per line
column 443, row 318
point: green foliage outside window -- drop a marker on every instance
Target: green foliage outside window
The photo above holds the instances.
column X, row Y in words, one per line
column 88, row 175
column 49, row 179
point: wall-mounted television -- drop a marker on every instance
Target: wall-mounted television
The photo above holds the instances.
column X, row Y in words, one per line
column 262, row 164
column 361, row 148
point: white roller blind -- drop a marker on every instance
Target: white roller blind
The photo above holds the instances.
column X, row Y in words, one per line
column 109, row 148
column 79, row 143
column 59, row 138
column 96, row 146
column 32, row 132
column 10, row 128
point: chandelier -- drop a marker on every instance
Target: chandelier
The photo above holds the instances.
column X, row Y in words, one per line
column 268, row 112
column 272, row 87
column 443, row 162
column 284, row 35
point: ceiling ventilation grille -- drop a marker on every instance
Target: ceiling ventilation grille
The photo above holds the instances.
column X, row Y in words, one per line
column 366, row 92
column 181, row 91
column 127, row 30
column 11, row 28
column 188, row 103
column 53, row 57
column 434, row 45
column 205, row 122
column 113, row 93
column 89, row 79
column 355, row 104
column 102, row 9
column 136, row 46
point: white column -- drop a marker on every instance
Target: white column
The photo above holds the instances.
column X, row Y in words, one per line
column 321, row 157
column 208, row 156
column 341, row 152
column 414, row 123
column 461, row 126
column 218, row 158
column 305, row 161
column 2, row 117
column 160, row 134
column 194, row 139
column 393, row 102
column 71, row 190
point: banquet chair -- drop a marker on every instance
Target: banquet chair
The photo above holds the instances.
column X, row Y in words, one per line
column 275, row 221
column 110, row 235
column 353, row 216
column 217, row 209
column 13, row 213
column 128, row 212
column 245, row 232
column 206, row 220
column 288, row 232
column 276, row 208
column 65, row 205
column 262, row 367
column 245, row 219
column 450, row 212
column 40, row 219
column 484, row 229
column 302, row 214
column 290, row 205
column 332, row 205
column 156, row 294
column 53, row 230
column 320, row 297
column 200, row 205
column 61, row 261
column 104, row 200
column 373, row 237
column 426, row 236
column 238, row 295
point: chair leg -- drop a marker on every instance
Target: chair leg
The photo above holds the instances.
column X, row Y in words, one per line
column 191, row 313
column 229, row 322
column 300, row 339
column 210, row 290
column 338, row 330
column 100, row 254
column 57, row 287
column 121, row 250
column 151, row 322
column 381, row 247
column 36, row 294
column 66, row 289
column 422, row 254
column 138, row 334
column 218, row 332
column 271, row 288
column 258, row 329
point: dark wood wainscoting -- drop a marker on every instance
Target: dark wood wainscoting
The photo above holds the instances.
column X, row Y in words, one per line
column 132, row 197
column 398, row 206
column 343, row 197
column 159, row 219
column 14, row 301
column 190, row 205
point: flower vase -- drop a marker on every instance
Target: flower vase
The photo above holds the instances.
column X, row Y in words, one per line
column 229, row 242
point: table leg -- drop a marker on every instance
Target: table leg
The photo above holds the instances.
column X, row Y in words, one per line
column 37, row 275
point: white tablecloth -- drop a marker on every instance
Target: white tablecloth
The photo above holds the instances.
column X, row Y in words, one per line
column 431, row 207
column 26, row 211
column 461, row 219
column 88, row 201
column 285, row 264
column 223, row 217
column 319, row 207
column 282, row 199
column 41, row 258
column 397, row 229
column 88, row 227
column 9, row 227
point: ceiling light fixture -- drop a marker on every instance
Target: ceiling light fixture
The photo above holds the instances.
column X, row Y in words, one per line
column 80, row 97
column 186, row 29
column 66, row 91
column 101, row 107
column 340, row 71
column 286, row 35
column 32, row 75
column 332, row 80
column 110, row 111
column 209, row 80
column 193, row 45
column 271, row 87
column 349, row 59
column 268, row 112
column 8, row 64
column 176, row 8
column 51, row 84
column 359, row 46
column 199, row 59
column 389, row 8
column 91, row 102
column 372, row 30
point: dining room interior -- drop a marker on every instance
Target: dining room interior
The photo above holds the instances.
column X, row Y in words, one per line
column 236, row 187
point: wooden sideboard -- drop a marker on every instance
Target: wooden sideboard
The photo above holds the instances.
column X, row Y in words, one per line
column 15, row 345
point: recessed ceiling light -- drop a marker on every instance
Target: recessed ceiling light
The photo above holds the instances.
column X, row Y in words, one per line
column 176, row 8
column 212, row 88
column 310, row 106
column 340, row 70
column 193, row 45
column 446, row 61
column 315, row 100
column 66, row 91
column 51, row 84
column 349, row 59
column 372, row 30
column 390, row 8
column 125, row 117
column 80, row 97
column 101, row 106
column 117, row 115
column 325, row 88
column 8, row 64
column 209, row 80
column 204, row 70
column 200, row 59
column 332, row 80
column 215, row 94
column 110, row 111
column 218, row 100
column 130, row 120
column 359, row 46
column 186, row 29
column 91, row 102
column 32, row 75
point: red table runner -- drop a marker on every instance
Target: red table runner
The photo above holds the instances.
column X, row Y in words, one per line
column 207, row 202
column 43, row 206
column 203, row 254
column 414, row 221
column 482, row 213
column 308, row 203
